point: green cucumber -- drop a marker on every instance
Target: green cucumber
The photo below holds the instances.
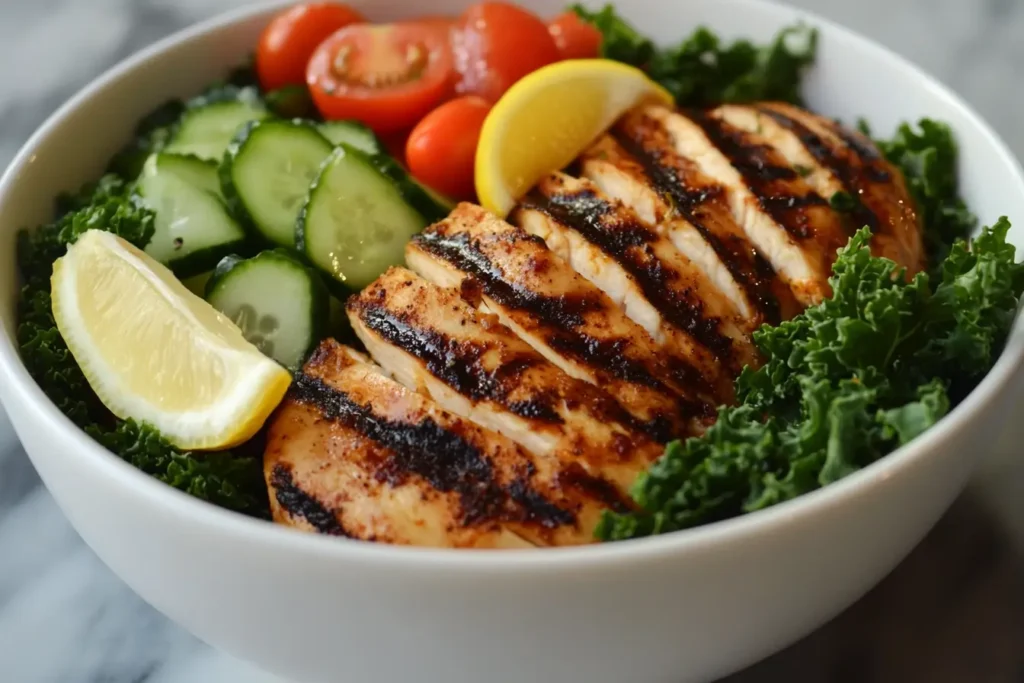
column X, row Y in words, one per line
column 193, row 229
column 266, row 174
column 210, row 122
column 352, row 133
column 355, row 222
column 279, row 303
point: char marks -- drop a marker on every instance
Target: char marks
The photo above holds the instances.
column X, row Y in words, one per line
column 433, row 341
column 628, row 242
column 775, row 184
column 440, row 456
column 825, row 155
column 300, row 504
column 562, row 314
column 459, row 364
column 673, row 177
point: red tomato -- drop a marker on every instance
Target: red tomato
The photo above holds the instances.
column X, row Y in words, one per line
column 290, row 38
column 496, row 44
column 443, row 24
column 575, row 38
column 442, row 147
column 394, row 144
column 387, row 76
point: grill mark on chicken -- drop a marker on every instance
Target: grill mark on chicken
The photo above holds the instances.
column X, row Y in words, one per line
column 462, row 367
column 822, row 152
column 747, row 266
column 459, row 364
column 592, row 429
column 563, row 314
column 767, row 179
column 585, row 212
column 573, row 476
column 426, row 449
column 298, row 503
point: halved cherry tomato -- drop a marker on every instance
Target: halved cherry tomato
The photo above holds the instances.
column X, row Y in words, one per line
column 496, row 44
column 290, row 38
column 575, row 38
column 443, row 24
column 442, row 147
column 388, row 76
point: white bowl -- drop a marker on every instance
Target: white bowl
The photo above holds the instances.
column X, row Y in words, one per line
column 688, row 606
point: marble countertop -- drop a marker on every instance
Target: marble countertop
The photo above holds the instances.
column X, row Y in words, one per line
column 953, row 612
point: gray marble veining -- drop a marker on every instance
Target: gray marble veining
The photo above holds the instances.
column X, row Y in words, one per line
column 953, row 612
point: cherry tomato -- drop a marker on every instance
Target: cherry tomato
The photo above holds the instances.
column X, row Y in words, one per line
column 445, row 25
column 575, row 38
column 290, row 38
column 496, row 44
column 442, row 147
column 388, row 76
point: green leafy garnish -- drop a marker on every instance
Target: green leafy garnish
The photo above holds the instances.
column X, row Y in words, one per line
column 844, row 383
column 702, row 70
column 226, row 479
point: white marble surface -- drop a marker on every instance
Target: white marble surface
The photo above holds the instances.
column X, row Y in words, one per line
column 952, row 613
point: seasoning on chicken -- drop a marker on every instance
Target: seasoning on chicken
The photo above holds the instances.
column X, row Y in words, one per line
column 792, row 226
column 659, row 287
column 353, row 453
column 430, row 340
column 502, row 269
column 833, row 159
column 638, row 165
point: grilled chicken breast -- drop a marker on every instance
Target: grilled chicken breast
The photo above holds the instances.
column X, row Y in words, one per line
column 353, row 453
column 529, row 370
column 791, row 225
column 501, row 269
column 430, row 340
column 659, row 287
column 638, row 165
column 832, row 160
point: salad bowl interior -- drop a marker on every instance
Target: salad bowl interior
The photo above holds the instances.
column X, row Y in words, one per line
column 688, row 606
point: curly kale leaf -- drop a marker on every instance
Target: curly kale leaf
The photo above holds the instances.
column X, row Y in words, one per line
column 844, row 383
column 703, row 70
column 110, row 204
column 228, row 479
column 223, row 479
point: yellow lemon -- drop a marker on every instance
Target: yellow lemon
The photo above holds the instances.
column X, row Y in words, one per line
column 548, row 118
column 155, row 352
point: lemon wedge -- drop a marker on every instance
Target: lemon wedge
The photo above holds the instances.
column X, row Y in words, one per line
column 155, row 352
column 548, row 118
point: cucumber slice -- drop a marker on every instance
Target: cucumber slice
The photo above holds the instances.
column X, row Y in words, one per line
column 279, row 303
column 193, row 229
column 429, row 203
column 355, row 222
column 266, row 174
column 351, row 133
column 209, row 123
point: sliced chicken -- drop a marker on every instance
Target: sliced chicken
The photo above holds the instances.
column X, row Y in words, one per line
column 657, row 285
column 430, row 340
column 503, row 270
column 833, row 159
column 353, row 453
column 638, row 165
column 789, row 223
